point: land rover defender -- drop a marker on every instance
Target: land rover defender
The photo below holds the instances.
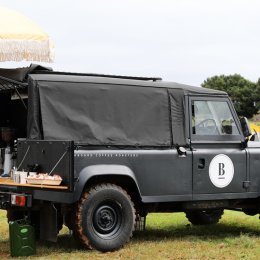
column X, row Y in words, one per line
column 123, row 147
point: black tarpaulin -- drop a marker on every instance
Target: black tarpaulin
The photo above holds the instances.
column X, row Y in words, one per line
column 99, row 114
column 108, row 111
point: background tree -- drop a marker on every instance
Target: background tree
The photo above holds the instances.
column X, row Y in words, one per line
column 244, row 93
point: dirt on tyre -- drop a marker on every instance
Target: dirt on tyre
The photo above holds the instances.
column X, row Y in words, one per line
column 204, row 217
column 104, row 218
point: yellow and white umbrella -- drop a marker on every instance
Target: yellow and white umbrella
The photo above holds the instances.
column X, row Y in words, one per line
column 21, row 39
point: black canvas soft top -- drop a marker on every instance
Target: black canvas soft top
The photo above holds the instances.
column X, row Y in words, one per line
column 96, row 110
column 106, row 110
column 47, row 74
column 116, row 80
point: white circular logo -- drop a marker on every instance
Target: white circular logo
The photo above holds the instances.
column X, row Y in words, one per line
column 221, row 170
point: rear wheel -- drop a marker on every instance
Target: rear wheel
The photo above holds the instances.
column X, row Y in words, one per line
column 104, row 218
column 204, row 217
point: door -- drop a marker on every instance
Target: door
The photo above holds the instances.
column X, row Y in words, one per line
column 219, row 161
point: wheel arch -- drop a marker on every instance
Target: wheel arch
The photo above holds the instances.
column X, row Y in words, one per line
column 117, row 174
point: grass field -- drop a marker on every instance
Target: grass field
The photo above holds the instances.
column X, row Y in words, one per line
column 168, row 236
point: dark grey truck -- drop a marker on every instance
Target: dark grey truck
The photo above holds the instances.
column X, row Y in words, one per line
column 124, row 147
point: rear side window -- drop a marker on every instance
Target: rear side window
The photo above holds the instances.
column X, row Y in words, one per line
column 212, row 118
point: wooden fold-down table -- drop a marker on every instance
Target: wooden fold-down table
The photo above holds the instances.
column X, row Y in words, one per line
column 9, row 182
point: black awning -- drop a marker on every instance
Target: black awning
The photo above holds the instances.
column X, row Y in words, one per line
column 7, row 84
column 13, row 79
column 21, row 74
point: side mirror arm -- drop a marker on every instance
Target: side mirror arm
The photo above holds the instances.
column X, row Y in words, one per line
column 244, row 143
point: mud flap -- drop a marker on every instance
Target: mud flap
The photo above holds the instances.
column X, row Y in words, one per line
column 48, row 223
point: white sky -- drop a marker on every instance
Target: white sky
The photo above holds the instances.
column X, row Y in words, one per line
column 184, row 41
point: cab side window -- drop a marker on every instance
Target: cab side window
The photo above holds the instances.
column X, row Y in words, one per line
column 212, row 118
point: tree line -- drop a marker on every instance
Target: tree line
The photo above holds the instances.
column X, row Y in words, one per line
column 244, row 93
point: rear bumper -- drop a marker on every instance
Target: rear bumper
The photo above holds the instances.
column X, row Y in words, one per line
column 7, row 199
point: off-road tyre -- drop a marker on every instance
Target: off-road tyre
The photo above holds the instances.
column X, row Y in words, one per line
column 104, row 218
column 204, row 217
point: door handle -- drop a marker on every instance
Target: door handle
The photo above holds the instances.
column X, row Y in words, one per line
column 201, row 164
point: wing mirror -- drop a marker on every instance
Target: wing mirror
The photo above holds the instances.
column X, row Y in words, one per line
column 245, row 127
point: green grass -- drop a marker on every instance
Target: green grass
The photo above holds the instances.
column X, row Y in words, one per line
column 168, row 236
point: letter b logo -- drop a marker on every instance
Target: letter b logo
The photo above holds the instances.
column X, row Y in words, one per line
column 221, row 170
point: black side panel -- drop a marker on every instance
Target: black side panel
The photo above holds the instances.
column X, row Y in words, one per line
column 47, row 154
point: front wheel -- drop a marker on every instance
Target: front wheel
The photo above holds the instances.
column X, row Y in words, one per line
column 204, row 217
column 104, row 218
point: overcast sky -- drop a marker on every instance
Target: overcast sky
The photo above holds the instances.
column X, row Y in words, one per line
column 184, row 41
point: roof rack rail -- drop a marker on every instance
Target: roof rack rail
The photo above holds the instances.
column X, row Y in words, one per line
column 100, row 75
